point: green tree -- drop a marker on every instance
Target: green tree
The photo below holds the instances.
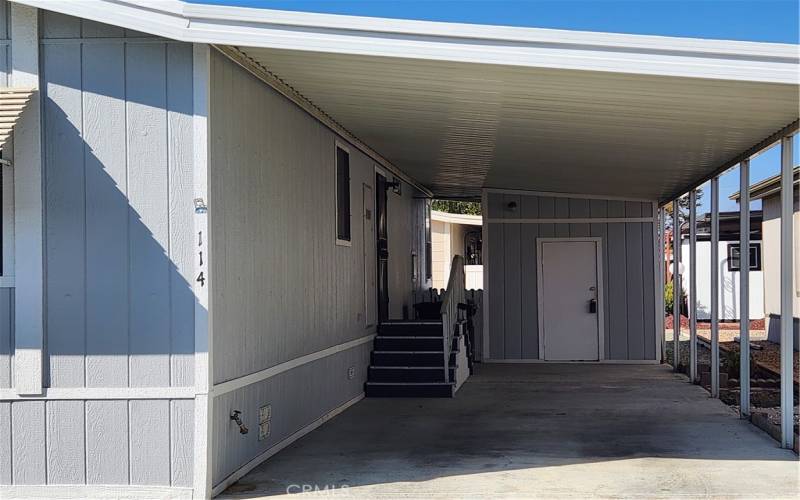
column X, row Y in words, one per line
column 457, row 207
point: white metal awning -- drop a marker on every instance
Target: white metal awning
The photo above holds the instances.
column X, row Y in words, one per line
column 459, row 107
column 12, row 104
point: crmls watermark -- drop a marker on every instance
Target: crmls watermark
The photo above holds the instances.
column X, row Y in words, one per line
column 316, row 488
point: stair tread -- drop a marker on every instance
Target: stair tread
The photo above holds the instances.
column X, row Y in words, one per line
column 426, row 337
column 410, row 383
column 409, row 367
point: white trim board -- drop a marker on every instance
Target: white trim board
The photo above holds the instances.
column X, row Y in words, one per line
column 252, row 464
column 100, row 393
column 203, row 332
column 598, row 241
column 80, row 491
column 553, row 194
column 448, row 42
column 238, row 383
column 29, row 206
column 581, row 220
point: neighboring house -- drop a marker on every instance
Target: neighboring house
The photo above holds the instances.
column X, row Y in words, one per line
column 456, row 234
column 727, row 265
column 769, row 192
column 214, row 215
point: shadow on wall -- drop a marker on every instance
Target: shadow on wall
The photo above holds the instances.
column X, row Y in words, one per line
column 118, row 195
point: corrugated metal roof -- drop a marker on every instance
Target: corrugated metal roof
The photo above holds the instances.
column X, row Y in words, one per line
column 457, row 127
column 12, row 104
column 460, row 107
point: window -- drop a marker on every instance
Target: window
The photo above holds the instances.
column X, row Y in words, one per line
column 342, row 195
column 734, row 257
column 428, row 245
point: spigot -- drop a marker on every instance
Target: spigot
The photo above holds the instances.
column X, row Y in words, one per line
column 236, row 418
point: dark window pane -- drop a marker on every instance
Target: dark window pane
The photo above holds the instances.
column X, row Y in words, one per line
column 342, row 194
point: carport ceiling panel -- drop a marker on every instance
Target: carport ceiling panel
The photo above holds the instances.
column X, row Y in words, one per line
column 458, row 127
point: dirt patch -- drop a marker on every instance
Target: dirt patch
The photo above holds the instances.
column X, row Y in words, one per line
column 765, row 397
column 755, row 324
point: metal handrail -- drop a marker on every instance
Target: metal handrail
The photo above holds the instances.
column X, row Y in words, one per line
column 455, row 293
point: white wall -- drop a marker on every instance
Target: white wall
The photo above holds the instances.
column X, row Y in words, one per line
column 729, row 283
column 771, row 228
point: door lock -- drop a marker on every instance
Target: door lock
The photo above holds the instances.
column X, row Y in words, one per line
column 593, row 306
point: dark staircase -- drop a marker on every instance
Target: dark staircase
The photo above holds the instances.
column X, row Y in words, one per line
column 408, row 361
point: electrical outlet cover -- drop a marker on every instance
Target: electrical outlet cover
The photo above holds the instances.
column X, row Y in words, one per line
column 264, row 413
column 263, row 430
column 351, row 373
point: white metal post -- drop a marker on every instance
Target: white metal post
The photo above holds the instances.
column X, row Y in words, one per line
column 715, row 287
column 662, row 238
column 676, row 286
column 744, row 288
column 692, row 312
column 787, row 322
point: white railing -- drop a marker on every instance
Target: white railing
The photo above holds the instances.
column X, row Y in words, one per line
column 454, row 295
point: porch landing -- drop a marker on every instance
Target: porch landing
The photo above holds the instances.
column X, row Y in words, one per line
column 538, row 431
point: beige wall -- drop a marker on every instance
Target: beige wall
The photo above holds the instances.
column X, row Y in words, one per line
column 440, row 251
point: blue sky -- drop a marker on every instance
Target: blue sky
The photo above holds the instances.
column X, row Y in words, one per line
column 753, row 20
column 756, row 20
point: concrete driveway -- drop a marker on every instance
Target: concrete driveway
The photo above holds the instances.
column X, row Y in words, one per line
column 537, row 430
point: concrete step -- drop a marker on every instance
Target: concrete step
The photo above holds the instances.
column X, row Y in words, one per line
column 410, row 358
column 409, row 389
column 411, row 329
column 409, row 374
column 392, row 343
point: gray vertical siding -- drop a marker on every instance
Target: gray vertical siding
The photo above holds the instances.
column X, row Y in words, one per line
column 5, row 42
column 117, row 132
column 298, row 397
column 627, row 258
column 281, row 287
column 117, row 117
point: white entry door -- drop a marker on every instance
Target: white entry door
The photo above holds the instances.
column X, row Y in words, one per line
column 569, row 299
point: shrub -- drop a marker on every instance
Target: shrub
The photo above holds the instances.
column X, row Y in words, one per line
column 669, row 299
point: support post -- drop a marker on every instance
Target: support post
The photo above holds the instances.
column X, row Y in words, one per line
column 787, row 321
column 692, row 312
column 676, row 285
column 28, row 206
column 662, row 238
column 744, row 288
column 715, row 287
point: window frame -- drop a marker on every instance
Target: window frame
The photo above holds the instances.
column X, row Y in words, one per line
column 346, row 242
column 755, row 251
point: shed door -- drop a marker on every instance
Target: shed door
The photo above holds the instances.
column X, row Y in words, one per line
column 569, row 300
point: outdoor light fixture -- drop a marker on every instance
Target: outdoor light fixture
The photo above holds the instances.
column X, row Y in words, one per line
column 396, row 185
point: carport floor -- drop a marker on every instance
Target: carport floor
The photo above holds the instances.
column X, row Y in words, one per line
column 537, row 430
